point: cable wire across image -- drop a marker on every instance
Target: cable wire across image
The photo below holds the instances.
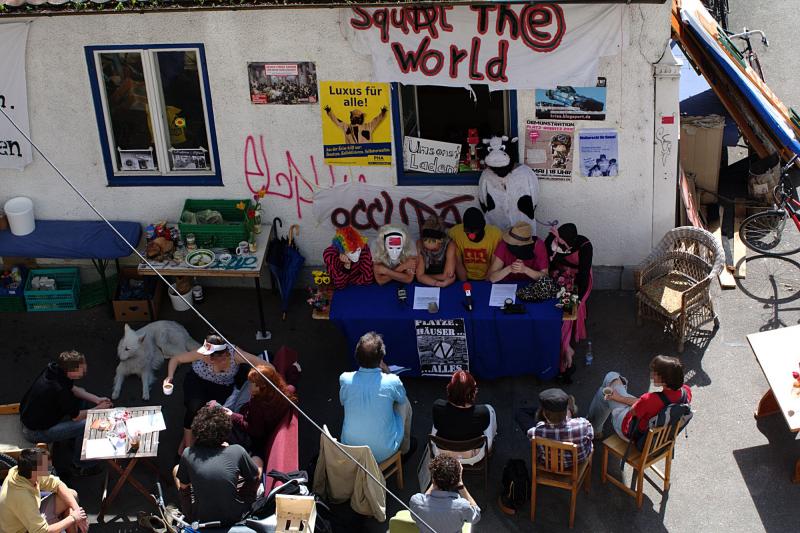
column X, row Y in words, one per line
column 189, row 303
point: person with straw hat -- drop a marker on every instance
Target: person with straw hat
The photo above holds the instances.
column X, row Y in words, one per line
column 521, row 256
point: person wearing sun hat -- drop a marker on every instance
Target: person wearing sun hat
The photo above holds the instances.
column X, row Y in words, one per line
column 348, row 259
column 475, row 242
column 521, row 256
column 437, row 254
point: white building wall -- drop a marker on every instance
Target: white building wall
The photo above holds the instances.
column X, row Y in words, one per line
column 615, row 213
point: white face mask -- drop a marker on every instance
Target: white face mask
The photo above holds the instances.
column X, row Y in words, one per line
column 394, row 247
column 353, row 256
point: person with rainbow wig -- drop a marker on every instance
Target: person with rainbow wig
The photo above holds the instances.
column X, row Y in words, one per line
column 348, row 259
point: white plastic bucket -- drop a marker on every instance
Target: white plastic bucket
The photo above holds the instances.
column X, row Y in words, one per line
column 177, row 302
column 19, row 212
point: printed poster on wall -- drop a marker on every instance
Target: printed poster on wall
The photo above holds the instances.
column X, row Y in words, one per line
column 15, row 151
column 442, row 346
column 598, row 152
column 549, row 149
column 356, row 130
column 571, row 103
column 507, row 46
column 283, row 83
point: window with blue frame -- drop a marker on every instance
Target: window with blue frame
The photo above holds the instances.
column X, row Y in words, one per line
column 448, row 114
column 153, row 108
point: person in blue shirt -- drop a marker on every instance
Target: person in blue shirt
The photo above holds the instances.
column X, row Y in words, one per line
column 377, row 412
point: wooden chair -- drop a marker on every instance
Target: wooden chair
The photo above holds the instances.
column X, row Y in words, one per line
column 456, row 447
column 672, row 283
column 393, row 465
column 658, row 446
column 553, row 472
column 12, row 441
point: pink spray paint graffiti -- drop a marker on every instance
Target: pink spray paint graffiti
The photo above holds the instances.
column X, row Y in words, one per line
column 290, row 184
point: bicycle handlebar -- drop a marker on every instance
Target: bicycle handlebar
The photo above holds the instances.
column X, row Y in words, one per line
column 788, row 165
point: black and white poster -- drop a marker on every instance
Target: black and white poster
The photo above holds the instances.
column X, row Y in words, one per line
column 442, row 346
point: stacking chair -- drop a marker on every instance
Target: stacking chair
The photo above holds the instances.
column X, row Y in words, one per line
column 456, row 447
column 673, row 282
column 553, row 472
column 403, row 522
column 658, row 446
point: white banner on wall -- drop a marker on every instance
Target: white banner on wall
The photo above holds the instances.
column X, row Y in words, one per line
column 368, row 207
column 520, row 46
column 15, row 151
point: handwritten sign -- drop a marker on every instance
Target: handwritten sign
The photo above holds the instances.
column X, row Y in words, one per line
column 425, row 155
column 15, row 151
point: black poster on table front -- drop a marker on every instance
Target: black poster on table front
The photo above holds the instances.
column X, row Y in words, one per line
column 442, row 346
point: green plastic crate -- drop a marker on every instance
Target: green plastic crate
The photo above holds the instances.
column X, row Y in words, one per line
column 64, row 298
column 227, row 235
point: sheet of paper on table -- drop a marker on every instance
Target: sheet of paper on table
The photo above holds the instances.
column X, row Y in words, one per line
column 501, row 292
column 425, row 295
column 104, row 448
column 146, row 424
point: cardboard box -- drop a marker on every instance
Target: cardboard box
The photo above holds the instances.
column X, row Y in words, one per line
column 138, row 310
column 701, row 152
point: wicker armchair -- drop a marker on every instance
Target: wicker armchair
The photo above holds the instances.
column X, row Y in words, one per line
column 673, row 282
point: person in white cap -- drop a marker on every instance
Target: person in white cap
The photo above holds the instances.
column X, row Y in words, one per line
column 216, row 367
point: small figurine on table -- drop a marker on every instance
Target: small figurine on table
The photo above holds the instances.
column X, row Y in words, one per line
column 348, row 259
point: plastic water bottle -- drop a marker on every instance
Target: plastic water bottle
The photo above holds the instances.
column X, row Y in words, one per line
column 589, row 356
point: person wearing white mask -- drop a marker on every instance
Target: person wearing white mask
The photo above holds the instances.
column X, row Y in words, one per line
column 394, row 258
column 348, row 259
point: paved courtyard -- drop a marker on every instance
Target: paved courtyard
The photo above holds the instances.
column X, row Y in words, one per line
column 731, row 474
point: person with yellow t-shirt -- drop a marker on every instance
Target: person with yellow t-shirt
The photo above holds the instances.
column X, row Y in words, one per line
column 22, row 508
column 475, row 241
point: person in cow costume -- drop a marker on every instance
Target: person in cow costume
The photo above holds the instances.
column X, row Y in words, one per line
column 507, row 192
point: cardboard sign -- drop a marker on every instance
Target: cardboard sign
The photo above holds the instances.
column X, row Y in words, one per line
column 425, row 155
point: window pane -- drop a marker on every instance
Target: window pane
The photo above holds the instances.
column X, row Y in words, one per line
column 128, row 108
column 446, row 113
column 184, row 111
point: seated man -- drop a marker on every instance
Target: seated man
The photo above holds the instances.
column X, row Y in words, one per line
column 665, row 372
column 447, row 505
column 475, row 242
column 22, row 506
column 54, row 409
column 557, row 424
column 348, row 259
column 215, row 481
column 377, row 412
column 393, row 258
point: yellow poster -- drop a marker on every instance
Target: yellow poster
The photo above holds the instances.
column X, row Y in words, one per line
column 356, row 130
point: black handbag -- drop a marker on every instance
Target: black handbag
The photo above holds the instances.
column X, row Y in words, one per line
column 538, row 291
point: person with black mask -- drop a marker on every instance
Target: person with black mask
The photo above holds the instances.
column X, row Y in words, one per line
column 521, row 256
column 475, row 242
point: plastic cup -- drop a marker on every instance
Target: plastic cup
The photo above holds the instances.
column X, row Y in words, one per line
column 168, row 388
column 607, row 392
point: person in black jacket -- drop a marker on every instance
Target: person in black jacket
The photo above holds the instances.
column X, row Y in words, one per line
column 54, row 408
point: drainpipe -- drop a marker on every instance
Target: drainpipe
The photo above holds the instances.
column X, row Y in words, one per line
column 666, row 133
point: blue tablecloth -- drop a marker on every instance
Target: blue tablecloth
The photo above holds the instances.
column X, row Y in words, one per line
column 72, row 239
column 499, row 344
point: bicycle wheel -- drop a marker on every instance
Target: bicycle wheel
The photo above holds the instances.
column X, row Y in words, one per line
column 770, row 233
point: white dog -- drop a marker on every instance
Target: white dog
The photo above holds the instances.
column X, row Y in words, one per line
column 143, row 351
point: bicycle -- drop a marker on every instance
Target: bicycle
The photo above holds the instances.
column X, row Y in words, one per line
column 748, row 54
column 767, row 232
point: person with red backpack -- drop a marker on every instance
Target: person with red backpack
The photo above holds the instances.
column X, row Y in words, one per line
column 612, row 398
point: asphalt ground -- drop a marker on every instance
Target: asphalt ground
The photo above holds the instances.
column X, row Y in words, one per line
column 731, row 473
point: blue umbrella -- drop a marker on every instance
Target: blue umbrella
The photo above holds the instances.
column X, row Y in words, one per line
column 285, row 264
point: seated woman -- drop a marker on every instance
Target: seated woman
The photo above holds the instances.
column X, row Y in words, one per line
column 216, row 367
column 571, row 267
column 437, row 255
column 459, row 418
column 394, row 257
column 348, row 259
column 259, row 417
column 521, row 256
